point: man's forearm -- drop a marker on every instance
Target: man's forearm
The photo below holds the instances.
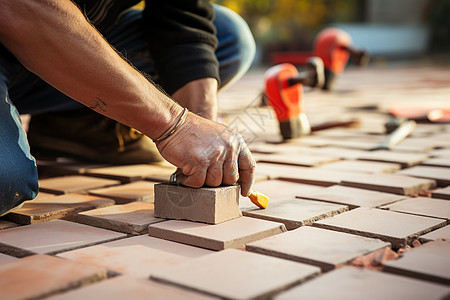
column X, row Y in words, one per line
column 53, row 39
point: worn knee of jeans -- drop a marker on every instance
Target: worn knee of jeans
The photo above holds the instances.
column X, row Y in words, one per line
column 236, row 48
column 18, row 172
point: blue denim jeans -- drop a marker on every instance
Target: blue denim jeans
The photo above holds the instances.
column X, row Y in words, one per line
column 22, row 91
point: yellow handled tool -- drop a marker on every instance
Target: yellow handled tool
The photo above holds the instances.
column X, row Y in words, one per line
column 259, row 199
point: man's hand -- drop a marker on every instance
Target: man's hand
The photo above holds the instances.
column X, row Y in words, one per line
column 208, row 153
column 199, row 96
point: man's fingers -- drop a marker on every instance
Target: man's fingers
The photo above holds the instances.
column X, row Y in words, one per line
column 230, row 170
column 195, row 180
column 214, row 174
column 247, row 166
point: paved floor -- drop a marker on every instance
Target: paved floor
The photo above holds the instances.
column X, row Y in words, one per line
column 343, row 222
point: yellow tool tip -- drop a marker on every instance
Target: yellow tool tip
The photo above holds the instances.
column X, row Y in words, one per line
column 259, row 199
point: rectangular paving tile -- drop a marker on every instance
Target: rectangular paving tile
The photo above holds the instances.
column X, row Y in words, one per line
column 355, row 283
column 353, row 197
column 422, row 206
column 73, row 184
column 277, row 190
column 137, row 256
column 360, row 166
column 296, row 212
column 441, row 233
column 441, row 175
column 232, row 234
column 126, row 287
column 326, row 249
column 52, row 237
column 430, row 261
column 38, row 276
column 391, row 183
column 132, row 218
column 440, row 153
column 62, row 168
column 443, row 193
column 397, row 228
column 239, row 275
column 305, row 160
column 57, row 207
column 437, row 162
column 125, row 193
column 130, row 173
column 403, row 158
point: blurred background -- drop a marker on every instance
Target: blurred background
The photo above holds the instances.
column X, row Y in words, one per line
column 390, row 30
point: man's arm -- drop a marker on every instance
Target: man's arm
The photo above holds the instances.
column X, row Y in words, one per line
column 53, row 39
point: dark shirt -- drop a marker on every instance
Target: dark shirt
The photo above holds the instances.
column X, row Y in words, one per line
column 180, row 33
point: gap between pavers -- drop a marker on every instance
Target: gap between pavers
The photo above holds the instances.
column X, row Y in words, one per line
column 296, row 212
column 132, row 218
column 231, row 234
column 323, row 248
column 422, row 206
column 56, row 207
column 397, row 228
column 137, row 256
column 52, row 237
column 443, row 193
column 238, row 274
column 126, row 287
column 430, row 261
column 350, row 283
column 439, row 174
column 38, row 276
column 441, row 233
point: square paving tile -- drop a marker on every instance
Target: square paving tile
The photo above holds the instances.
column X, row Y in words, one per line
column 305, row 160
column 443, row 193
column 403, row 158
column 397, row 228
column 57, row 207
column 73, row 184
column 231, row 234
column 52, row 237
column 350, row 283
column 422, row 206
column 441, row 233
column 353, row 197
column 296, row 212
column 136, row 256
column 132, row 218
column 125, row 287
column 125, row 193
column 441, row 175
column 360, row 166
column 437, row 162
column 132, row 173
column 326, row 249
column 391, row 183
column 430, row 261
column 238, row 275
column 38, row 276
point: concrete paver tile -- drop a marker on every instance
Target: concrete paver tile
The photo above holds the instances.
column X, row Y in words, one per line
column 403, row 158
column 131, row 173
column 238, row 275
column 58, row 168
column 441, row 233
column 278, row 190
column 6, row 258
column 441, row 175
column 443, row 193
column 360, row 166
column 132, row 218
column 57, row 207
column 52, row 237
column 7, row 224
column 38, row 276
column 209, row 205
column 137, row 256
column 326, row 249
column 440, row 153
column 125, row 193
column 350, row 283
column 391, row 183
column 231, row 234
column 397, row 228
column 437, row 162
column 430, row 261
column 296, row 212
column 422, row 206
column 73, row 184
column 125, row 287
column 353, row 197
column 305, row 160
